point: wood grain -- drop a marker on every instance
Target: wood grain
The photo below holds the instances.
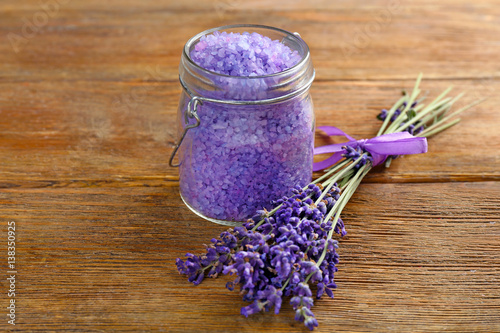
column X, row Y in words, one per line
column 103, row 259
column 88, row 120
column 393, row 39
column 65, row 134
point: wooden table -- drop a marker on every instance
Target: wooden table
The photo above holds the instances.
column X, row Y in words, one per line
column 88, row 98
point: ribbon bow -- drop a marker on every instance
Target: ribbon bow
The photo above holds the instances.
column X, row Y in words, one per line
column 379, row 147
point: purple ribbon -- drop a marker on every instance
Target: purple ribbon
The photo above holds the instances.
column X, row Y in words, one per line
column 379, row 147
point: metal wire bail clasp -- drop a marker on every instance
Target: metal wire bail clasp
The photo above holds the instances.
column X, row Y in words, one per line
column 190, row 113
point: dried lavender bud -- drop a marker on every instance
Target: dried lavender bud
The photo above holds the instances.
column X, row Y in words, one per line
column 355, row 153
column 382, row 115
column 277, row 257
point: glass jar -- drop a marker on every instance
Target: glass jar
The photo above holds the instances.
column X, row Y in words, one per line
column 243, row 141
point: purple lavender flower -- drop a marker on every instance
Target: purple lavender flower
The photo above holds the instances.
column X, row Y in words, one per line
column 305, row 314
column 276, row 254
column 253, row 308
column 382, row 115
column 397, row 113
column 355, row 153
column 192, row 267
column 309, row 319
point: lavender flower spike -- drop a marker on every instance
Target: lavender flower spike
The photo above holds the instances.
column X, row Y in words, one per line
column 279, row 255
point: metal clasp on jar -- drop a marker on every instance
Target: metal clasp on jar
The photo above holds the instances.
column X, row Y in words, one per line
column 190, row 113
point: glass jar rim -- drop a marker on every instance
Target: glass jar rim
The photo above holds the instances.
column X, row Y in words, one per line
column 304, row 59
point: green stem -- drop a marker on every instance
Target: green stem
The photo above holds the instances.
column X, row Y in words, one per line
column 339, row 206
column 438, row 129
column 336, row 168
column 286, row 282
column 402, row 116
column 433, row 115
column 436, row 110
column 344, row 171
column 430, row 129
column 331, row 181
column 345, row 194
column 437, row 99
column 344, row 198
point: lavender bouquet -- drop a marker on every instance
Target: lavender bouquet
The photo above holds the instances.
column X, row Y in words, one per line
column 283, row 252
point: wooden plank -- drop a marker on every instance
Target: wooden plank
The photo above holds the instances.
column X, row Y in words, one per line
column 418, row 257
column 391, row 39
column 121, row 134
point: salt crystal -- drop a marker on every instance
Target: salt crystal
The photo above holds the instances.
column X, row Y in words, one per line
column 242, row 157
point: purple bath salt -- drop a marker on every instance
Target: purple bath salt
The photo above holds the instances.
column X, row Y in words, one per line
column 242, row 157
column 243, row 54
